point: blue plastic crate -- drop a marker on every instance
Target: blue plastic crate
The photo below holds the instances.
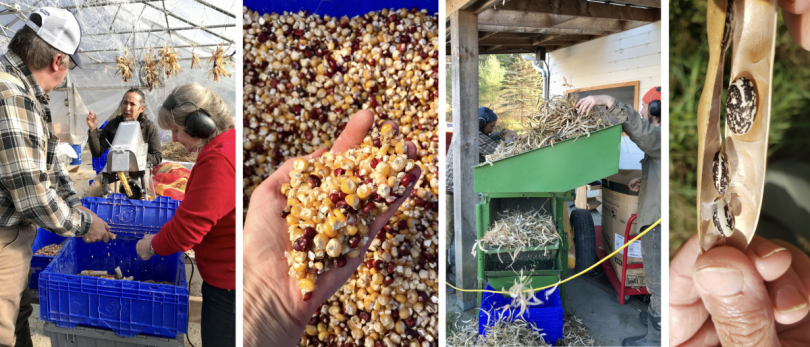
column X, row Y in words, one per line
column 133, row 218
column 548, row 316
column 40, row 262
column 128, row 308
column 100, row 162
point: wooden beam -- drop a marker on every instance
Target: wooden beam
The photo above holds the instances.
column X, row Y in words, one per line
column 455, row 5
column 492, row 41
column 645, row 3
column 494, row 48
column 464, row 69
column 506, row 28
column 485, row 35
column 525, row 43
column 602, row 24
column 580, row 8
column 545, row 39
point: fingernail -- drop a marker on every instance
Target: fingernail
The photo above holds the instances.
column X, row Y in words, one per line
column 767, row 249
column 789, row 299
column 720, row 281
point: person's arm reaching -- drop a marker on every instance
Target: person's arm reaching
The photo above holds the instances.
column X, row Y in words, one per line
column 24, row 171
column 210, row 195
column 641, row 132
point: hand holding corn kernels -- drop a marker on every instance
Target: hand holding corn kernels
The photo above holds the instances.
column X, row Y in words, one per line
column 729, row 297
column 310, row 223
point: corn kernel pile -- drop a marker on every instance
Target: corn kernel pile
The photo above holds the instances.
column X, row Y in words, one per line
column 305, row 76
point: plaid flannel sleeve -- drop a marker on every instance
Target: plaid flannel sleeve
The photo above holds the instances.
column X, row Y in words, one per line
column 65, row 184
column 645, row 135
column 25, row 148
column 486, row 145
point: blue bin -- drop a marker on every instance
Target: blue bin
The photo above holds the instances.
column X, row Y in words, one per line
column 128, row 308
column 100, row 162
column 40, row 262
column 548, row 316
column 78, row 160
column 349, row 8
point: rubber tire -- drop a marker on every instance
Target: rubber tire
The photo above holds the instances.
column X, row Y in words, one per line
column 584, row 238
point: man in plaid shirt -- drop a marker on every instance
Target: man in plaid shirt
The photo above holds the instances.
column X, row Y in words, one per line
column 488, row 140
column 34, row 189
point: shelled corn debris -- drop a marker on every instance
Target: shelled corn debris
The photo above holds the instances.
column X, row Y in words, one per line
column 305, row 75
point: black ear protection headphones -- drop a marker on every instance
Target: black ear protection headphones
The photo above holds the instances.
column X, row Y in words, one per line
column 199, row 123
column 482, row 123
column 655, row 106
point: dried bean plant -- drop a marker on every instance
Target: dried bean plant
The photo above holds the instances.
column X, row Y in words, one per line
column 168, row 61
column 220, row 62
column 504, row 330
column 151, row 69
column 556, row 120
column 575, row 333
column 516, row 231
column 125, row 66
column 49, row 250
column 732, row 172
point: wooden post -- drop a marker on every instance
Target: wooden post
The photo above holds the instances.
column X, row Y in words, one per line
column 464, row 69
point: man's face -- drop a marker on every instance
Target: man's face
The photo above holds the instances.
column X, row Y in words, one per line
column 131, row 106
column 490, row 127
column 645, row 113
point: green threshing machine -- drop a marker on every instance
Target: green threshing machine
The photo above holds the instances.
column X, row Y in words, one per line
column 540, row 178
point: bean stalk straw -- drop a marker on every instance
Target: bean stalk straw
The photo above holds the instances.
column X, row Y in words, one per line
column 556, row 120
column 516, row 231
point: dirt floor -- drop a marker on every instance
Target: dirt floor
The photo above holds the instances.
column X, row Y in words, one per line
column 591, row 298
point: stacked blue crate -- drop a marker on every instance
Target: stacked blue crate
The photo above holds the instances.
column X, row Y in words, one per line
column 547, row 316
column 128, row 308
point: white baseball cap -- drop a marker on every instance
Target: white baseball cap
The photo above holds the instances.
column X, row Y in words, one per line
column 60, row 29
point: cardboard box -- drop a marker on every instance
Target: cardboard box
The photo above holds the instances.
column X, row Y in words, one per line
column 619, row 203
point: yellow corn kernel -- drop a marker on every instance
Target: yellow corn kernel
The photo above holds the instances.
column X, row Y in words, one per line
column 312, row 330
column 348, row 187
column 352, row 200
column 339, row 215
column 383, row 169
column 320, row 241
column 401, row 147
column 292, row 220
column 398, row 163
column 300, row 165
column 306, row 285
column 299, row 267
column 351, row 230
column 295, row 233
column 296, row 210
column 362, row 228
column 387, row 130
column 323, row 335
column 328, row 230
column 333, row 248
column 363, row 192
column 347, row 164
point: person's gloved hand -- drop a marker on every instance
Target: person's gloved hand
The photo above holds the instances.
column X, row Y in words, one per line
column 274, row 311
column 796, row 14
column 754, row 298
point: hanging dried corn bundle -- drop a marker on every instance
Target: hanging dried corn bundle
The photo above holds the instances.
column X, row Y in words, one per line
column 151, row 69
column 555, row 120
column 733, row 171
column 125, row 66
column 195, row 61
column 168, row 61
column 220, row 62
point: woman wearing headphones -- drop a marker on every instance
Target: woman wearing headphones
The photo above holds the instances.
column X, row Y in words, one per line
column 206, row 219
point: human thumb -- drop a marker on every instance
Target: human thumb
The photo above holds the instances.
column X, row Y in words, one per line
column 735, row 295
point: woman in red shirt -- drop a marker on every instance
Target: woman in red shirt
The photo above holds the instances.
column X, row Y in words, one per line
column 206, row 219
